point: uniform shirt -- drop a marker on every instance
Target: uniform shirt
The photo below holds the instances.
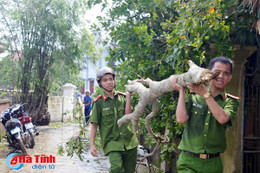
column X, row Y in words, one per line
column 202, row 132
column 105, row 113
column 87, row 99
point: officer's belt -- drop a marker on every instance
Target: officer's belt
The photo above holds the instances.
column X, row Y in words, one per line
column 202, row 156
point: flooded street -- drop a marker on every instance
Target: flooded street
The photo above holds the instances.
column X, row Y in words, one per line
column 47, row 144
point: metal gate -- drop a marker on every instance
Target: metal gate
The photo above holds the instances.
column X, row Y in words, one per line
column 251, row 138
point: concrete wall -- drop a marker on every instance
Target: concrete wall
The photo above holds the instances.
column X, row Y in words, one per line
column 61, row 107
column 67, row 108
column 55, row 108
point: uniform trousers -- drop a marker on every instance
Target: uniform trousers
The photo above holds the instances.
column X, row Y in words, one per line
column 123, row 161
column 190, row 164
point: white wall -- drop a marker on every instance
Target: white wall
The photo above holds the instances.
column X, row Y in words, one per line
column 55, row 108
column 61, row 107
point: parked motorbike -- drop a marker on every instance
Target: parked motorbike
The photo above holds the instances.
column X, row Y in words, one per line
column 19, row 129
column 14, row 130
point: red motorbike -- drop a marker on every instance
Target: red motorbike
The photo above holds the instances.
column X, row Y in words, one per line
column 26, row 121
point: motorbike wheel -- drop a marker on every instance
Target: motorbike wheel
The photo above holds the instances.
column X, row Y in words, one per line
column 21, row 145
column 9, row 141
column 31, row 139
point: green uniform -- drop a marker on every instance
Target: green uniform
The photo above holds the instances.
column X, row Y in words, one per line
column 203, row 133
column 115, row 140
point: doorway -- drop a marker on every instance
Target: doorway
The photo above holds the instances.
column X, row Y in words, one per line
column 251, row 130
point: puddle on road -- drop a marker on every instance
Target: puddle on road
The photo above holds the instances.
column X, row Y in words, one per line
column 47, row 143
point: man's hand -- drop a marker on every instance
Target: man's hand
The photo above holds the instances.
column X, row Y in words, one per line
column 93, row 133
column 175, row 85
column 93, row 151
column 128, row 108
column 199, row 89
column 128, row 94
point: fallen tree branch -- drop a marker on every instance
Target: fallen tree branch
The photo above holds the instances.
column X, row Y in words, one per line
column 195, row 74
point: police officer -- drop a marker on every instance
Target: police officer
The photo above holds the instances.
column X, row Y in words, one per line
column 207, row 113
column 119, row 143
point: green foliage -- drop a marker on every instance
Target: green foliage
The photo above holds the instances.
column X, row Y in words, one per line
column 60, row 150
column 8, row 72
column 79, row 144
column 76, row 146
column 98, row 91
column 52, row 46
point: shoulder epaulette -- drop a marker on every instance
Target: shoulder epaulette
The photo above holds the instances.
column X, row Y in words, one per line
column 97, row 98
column 121, row 93
column 234, row 97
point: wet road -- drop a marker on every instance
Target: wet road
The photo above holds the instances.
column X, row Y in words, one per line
column 47, row 144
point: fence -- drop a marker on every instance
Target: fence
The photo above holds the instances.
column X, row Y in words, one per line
column 59, row 107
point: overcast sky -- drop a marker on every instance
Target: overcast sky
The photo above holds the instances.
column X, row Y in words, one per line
column 92, row 14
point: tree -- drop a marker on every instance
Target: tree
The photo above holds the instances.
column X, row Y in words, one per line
column 155, row 38
column 53, row 45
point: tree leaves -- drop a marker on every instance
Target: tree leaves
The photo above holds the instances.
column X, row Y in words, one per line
column 53, row 45
column 154, row 40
